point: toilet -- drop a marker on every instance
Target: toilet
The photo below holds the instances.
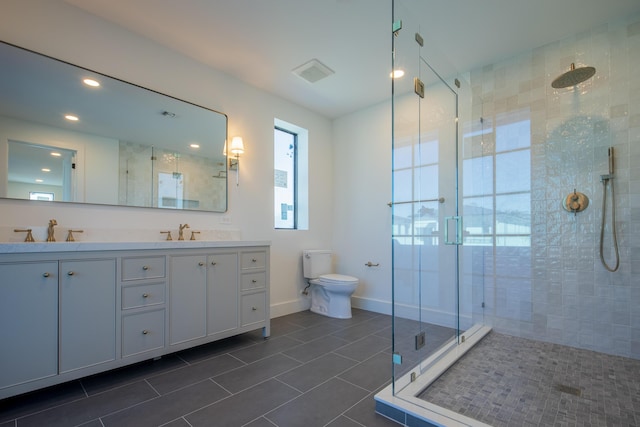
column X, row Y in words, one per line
column 330, row 293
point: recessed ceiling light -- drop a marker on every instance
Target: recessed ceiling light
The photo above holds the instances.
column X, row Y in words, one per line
column 39, row 180
column 71, row 117
column 45, row 170
column 55, row 154
column 194, row 145
column 91, row 82
column 396, row 74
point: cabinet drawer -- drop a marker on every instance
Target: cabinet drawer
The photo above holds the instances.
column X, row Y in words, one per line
column 253, row 281
column 253, row 260
column 143, row 268
column 142, row 332
column 253, row 308
column 142, row 295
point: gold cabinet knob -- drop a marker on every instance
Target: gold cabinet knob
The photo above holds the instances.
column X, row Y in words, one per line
column 145, row 267
column 46, row 274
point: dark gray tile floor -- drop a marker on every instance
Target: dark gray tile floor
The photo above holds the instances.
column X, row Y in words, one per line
column 313, row 371
column 510, row 381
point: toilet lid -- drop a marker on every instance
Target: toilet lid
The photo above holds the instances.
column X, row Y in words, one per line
column 337, row 278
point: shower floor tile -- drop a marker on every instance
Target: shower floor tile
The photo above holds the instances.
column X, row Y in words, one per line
column 511, row 381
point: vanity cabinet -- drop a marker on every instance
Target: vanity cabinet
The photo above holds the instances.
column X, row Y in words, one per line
column 143, row 290
column 253, row 287
column 56, row 316
column 28, row 322
column 205, row 285
column 68, row 314
column 222, row 293
column 87, row 312
column 188, row 296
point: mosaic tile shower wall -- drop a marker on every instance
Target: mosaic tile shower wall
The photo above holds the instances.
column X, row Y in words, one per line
column 529, row 146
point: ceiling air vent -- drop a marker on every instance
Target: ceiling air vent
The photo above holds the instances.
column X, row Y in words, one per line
column 313, row 71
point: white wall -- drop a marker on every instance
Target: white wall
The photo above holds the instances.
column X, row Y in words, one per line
column 362, row 218
column 55, row 28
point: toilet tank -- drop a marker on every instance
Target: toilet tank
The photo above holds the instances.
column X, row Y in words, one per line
column 316, row 263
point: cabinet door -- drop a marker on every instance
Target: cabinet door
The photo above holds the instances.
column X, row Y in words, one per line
column 87, row 313
column 222, row 293
column 28, row 322
column 188, row 298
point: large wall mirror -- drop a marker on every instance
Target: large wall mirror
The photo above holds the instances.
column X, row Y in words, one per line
column 74, row 135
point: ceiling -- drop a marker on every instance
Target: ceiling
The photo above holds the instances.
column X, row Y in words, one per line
column 261, row 41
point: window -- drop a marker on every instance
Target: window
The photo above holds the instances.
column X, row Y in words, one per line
column 284, row 178
column 290, row 176
column 497, row 184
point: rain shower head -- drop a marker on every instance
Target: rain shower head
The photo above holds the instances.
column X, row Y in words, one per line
column 573, row 77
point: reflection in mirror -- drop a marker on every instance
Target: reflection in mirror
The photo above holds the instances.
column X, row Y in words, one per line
column 116, row 143
column 44, row 173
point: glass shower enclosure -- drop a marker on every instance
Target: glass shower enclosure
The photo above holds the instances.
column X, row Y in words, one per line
column 437, row 295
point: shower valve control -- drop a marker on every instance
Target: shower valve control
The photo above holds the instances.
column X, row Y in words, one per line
column 575, row 202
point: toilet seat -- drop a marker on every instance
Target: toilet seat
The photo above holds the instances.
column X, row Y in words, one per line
column 337, row 279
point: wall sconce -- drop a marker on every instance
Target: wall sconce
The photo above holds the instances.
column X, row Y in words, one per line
column 236, row 148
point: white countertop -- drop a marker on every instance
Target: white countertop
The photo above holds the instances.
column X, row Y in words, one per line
column 36, row 247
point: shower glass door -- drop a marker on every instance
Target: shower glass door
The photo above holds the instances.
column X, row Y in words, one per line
column 427, row 227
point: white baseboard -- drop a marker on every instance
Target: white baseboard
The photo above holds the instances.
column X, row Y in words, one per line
column 405, row 311
column 290, row 307
column 369, row 304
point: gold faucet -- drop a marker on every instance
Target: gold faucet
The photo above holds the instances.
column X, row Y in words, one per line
column 50, row 236
column 29, row 237
column 70, row 237
column 181, row 231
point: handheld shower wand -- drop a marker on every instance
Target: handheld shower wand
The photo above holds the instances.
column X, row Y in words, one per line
column 608, row 180
column 610, row 154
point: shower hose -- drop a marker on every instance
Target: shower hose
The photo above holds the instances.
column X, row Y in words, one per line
column 605, row 181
